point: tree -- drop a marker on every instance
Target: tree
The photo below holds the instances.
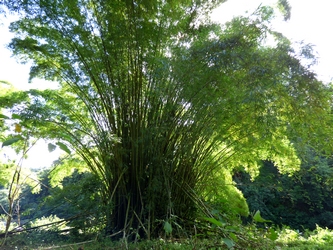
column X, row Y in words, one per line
column 157, row 100
column 301, row 201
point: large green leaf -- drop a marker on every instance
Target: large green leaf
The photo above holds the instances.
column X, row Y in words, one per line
column 4, row 116
column 11, row 141
column 257, row 217
column 214, row 221
column 63, row 147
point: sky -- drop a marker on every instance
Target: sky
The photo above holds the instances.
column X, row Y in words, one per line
column 310, row 21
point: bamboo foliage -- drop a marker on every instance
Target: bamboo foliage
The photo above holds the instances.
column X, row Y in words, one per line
column 152, row 102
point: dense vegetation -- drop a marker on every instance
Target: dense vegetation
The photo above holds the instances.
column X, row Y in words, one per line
column 301, row 201
column 158, row 110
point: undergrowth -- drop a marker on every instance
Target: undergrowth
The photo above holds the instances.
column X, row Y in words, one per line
column 210, row 235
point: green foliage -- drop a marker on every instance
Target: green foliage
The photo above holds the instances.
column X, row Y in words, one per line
column 222, row 196
column 81, row 214
column 249, row 238
column 50, row 220
column 299, row 201
column 6, row 172
column 320, row 238
column 285, row 8
column 158, row 103
column 65, row 168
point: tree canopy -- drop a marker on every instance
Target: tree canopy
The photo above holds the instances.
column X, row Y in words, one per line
column 160, row 103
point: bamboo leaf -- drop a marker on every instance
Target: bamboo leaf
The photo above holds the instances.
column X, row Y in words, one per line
column 63, row 147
